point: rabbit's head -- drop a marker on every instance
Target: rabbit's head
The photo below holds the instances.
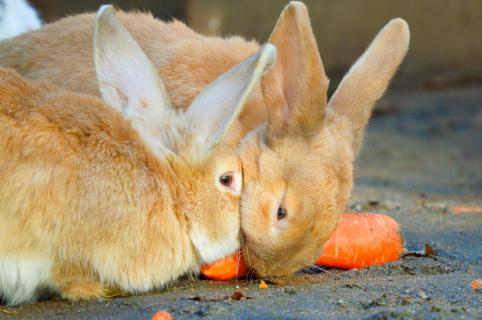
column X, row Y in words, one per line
column 205, row 173
column 298, row 170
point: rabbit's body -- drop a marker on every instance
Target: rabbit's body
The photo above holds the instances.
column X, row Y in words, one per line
column 97, row 200
column 121, row 195
column 298, row 162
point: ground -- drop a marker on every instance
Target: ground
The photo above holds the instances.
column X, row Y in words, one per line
column 422, row 157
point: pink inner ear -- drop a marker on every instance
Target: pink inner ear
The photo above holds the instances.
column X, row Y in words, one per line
column 299, row 73
column 279, row 110
column 287, row 37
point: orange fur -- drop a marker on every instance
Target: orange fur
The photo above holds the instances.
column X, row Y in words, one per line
column 301, row 159
column 183, row 58
column 97, row 198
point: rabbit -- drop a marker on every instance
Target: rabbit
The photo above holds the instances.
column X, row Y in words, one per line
column 122, row 195
column 296, row 147
column 16, row 17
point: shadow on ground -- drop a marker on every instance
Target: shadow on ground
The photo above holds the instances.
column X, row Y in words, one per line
column 422, row 156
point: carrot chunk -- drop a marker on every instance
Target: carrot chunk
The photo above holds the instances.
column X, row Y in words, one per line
column 362, row 240
column 263, row 285
column 462, row 210
column 476, row 284
column 162, row 315
column 228, row 268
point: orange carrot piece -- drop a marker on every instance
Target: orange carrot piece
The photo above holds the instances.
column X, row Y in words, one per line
column 162, row 315
column 462, row 210
column 263, row 285
column 362, row 240
column 476, row 284
column 231, row 267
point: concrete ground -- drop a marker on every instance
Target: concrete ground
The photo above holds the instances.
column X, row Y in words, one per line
column 422, row 157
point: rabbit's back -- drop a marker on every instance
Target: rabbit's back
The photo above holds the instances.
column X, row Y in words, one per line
column 48, row 53
column 186, row 61
column 43, row 122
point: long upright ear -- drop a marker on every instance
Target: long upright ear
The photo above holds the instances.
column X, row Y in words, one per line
column 298, row 72
column 368, row 78
column 127, row 79
column 217, row 107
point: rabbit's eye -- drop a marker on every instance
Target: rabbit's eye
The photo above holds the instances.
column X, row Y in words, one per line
column 230, row 181
column 226, row 180
column 281, row 213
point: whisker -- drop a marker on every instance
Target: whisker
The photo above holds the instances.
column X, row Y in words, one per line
column 251, row 274
column 247, row 259
column 314, row 269
column 238, row 261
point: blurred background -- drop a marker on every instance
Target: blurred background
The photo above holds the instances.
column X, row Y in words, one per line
column 446, row 44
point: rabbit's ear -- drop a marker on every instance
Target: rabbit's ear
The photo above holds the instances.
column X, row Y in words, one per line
column 128, row 81
column 298, row 72
column 218, row 106
column 369, row 77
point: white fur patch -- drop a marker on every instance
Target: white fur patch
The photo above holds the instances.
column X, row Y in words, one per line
column 210, row 251
column 22, row 278
column 17, row 17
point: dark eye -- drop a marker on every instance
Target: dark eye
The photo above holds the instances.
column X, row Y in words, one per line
column 281, row 213
column 226, row 180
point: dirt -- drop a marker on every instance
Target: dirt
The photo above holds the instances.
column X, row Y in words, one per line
column 422, row 157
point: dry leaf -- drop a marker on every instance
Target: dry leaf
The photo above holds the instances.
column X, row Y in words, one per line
column 8, row 311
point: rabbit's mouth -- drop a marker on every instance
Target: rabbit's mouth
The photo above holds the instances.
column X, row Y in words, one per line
column 265, row 267
column 272, row 261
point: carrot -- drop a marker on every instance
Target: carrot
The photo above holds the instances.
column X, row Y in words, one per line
column 231, row 267
column 263, row 285
column 362, row 240
column 476, row 284
column 462, row 210
column 162, row 315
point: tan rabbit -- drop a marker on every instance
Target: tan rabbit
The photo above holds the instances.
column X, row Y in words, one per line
column 127, row 195
column 298, row 166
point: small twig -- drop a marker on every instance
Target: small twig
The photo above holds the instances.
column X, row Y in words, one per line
column 8, row 311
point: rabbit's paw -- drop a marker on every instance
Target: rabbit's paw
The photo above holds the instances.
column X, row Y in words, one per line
column 89, row 291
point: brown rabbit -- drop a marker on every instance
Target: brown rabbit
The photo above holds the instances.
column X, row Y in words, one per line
column 298, row 166
column 125, row 195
